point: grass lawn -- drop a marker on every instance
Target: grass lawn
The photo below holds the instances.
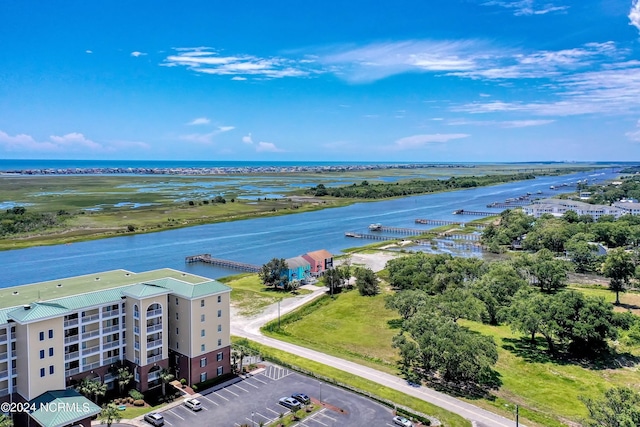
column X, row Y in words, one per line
column 629, row 300
column 323, row 371
column 546, row 390
column 250, row 296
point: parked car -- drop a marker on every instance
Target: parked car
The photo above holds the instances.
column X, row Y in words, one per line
column 193, row 404
column 402, row 421
column 154, row 418
column 302, row 398
column 290, row 402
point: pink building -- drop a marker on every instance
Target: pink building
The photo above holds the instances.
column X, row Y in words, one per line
column 320, row 261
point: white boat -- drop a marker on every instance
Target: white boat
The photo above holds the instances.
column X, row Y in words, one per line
column 375, row 227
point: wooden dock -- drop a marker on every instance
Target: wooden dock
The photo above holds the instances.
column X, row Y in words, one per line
column 400, row 230
column 370, row 236
column 476, row 213
column 437, row 222
column 207, row 259
column 467, row 247
column 507, row 205
column 468, row 237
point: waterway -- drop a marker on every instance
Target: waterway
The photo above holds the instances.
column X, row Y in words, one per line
column 256, row 241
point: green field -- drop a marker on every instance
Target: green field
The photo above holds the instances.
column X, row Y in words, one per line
column 546, row 390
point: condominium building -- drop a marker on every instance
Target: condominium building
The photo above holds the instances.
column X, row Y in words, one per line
column 55, row 334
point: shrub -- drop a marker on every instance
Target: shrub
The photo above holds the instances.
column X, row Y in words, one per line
column 194, row 387
column 138, row 402
column 135, row 395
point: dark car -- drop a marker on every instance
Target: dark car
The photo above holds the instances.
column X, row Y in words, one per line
column 302, row 398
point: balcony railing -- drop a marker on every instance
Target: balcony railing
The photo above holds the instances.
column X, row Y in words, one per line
column 4, row 391
column 13, row 335
column 3, row 337
column 110, row 313
column 72, row 355
column 153, row 328
column 90, row 334
column 108, row 378
column 4, row 374
column 92, row 318
column 3, row 355
column 154, row 313
column 153, row 376
column 154, row 344
column 14, row 372
column 13, row 354
column 92, row 366
column 110, row 360
column 136, row 345
column 109, row 329
column 136, row 360
column 70, row 322
column 154, row 358
column 71, row 338
column 90, row 350
column 136, row 330
column 70, row 372
column 108, row 345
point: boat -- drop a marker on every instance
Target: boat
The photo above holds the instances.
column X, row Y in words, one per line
column 458, row 212
column 375, row 227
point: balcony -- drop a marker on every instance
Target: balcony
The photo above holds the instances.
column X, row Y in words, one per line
column 90, row 350
column 4, row 392
column 4, row 375
column 153, row 376
column 110, row 313
column 153, row 328
column 13, row 354
column 70, row 322
column 3, row 337
column 92, row 318
column 154, row 359
column 92, row 366
column 136, row 345
column 136, row 330
column 112, row 344
column 72, row 355
column 110, row 360
column 90, row 334
column 3, row 355
column 71, row 338
column 154, row 313
column 71, row 372
column 154, row 344
column 136, row 360
column 14, row 372
column 110, row 329
column 109, row 378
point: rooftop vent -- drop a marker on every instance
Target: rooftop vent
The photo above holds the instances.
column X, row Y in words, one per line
column 97, row 278
column 27, row 307
column 59, row 285
column 15, row 292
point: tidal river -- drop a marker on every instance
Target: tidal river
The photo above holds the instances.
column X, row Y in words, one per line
column 256, row 241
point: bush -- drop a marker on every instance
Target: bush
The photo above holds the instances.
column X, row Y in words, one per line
column 194, row 387
column 138, row 402
column 135, row 395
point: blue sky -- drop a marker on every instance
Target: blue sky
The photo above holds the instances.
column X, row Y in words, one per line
column 402, row 80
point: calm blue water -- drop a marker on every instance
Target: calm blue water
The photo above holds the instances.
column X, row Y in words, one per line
column 257, row 240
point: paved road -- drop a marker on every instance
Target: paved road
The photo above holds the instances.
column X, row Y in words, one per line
column 250, row 328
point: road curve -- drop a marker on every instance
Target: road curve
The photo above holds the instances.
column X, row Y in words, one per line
column 251, row 330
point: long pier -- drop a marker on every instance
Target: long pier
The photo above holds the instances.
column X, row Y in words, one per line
column 370, row 236
column 507, row 205
column 477, row 213
column 207, row 259
column 451, row 245
column 469, row 237
column 401, row 230
column 437, row 222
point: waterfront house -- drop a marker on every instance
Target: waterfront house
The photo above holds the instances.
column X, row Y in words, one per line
column 320, row 261
column 298, row 268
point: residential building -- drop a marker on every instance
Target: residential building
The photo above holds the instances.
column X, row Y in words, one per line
column 55, row 334
column 320, row 261
column 298, row 268
column 558, row 207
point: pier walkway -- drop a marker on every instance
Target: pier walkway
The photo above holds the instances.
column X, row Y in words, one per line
column 207, row 259
column 437, row 222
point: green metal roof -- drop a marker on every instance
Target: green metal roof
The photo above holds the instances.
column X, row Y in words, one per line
column 145, row 290
column 38, row 311
column 188, row 290
column 61, row 408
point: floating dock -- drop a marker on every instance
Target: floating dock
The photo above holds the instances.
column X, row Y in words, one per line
column 207, row 259
column 399, row 230
column 437, row 222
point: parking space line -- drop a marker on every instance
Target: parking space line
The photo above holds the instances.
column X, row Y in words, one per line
column 226, row 389
column 167, row 422
column 236, row 385
column 260, row 381
column 248, row 383
column 219, row 395
column 327, row 416
column 277, row 413
column 176, row 415
column 258, row 413
column 205, row 397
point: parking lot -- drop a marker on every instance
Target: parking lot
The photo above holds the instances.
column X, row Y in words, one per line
column 255, row 400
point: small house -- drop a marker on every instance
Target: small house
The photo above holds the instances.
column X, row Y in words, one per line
column 320, row 261
column 298, row 268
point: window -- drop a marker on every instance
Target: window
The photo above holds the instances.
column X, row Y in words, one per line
column 219, row 356
column 219, row 298
column 42, row 372
column 50, row 333
column 219, row 342
column 203, row 377
column 219, row 371
column 202, row 347
column 177, row 345
column 202, row 317
column 176, row 300
column 50, row 351
column 177, row 316
column 201, row 303
column 41, row 336
column 219, row 313
column 41, row 354
column 51, row 370
column 203, row 362
column 177, row 331
column 202, row 332
column 219, row 328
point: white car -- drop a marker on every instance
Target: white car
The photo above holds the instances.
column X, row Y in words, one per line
column 402, row 421
column 193, row 404
column 154, row 419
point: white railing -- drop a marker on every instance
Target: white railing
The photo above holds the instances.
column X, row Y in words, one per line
column 153, row 376
column 90, row 334
column 92, row 366
column 136, row 345
column 3, row 355
column 71, row 338
column 91, row 318
column 90, row 350
column 110, row 313
column 153, row 313
column 14, row 372
column 109, row 329
column 73, row 355
column 4, row 391
column 110, row 360
column 154, row 359
column 13, row 354
column 4, row 374
column 70, row 372
column 3, row 337
column 154, row 344
column 108, row 345
column 109, row 378
column 151, row 329
column 70, row 322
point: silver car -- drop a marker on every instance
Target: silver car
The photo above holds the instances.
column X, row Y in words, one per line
column 402, row 421
column 154, row 419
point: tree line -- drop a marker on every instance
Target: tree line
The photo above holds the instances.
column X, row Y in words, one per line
column 19, row 220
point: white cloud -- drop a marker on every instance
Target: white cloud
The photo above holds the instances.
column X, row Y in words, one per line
column 507, row 124
column 527, row 7
column 417, row 141
column 88, row 51
column 206, row 138
column 247, row 139
column 268, row 147
column 634, row 135
column 199, row 121
column 74, row 139
column 73, row 142
column 634, row 14
column 238, row 78
column 137, row 54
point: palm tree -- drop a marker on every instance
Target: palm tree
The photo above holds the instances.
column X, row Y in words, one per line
column 165, row 377
column 5, row 421
column 110, row 414
column 92, row 388
column 124, row 378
